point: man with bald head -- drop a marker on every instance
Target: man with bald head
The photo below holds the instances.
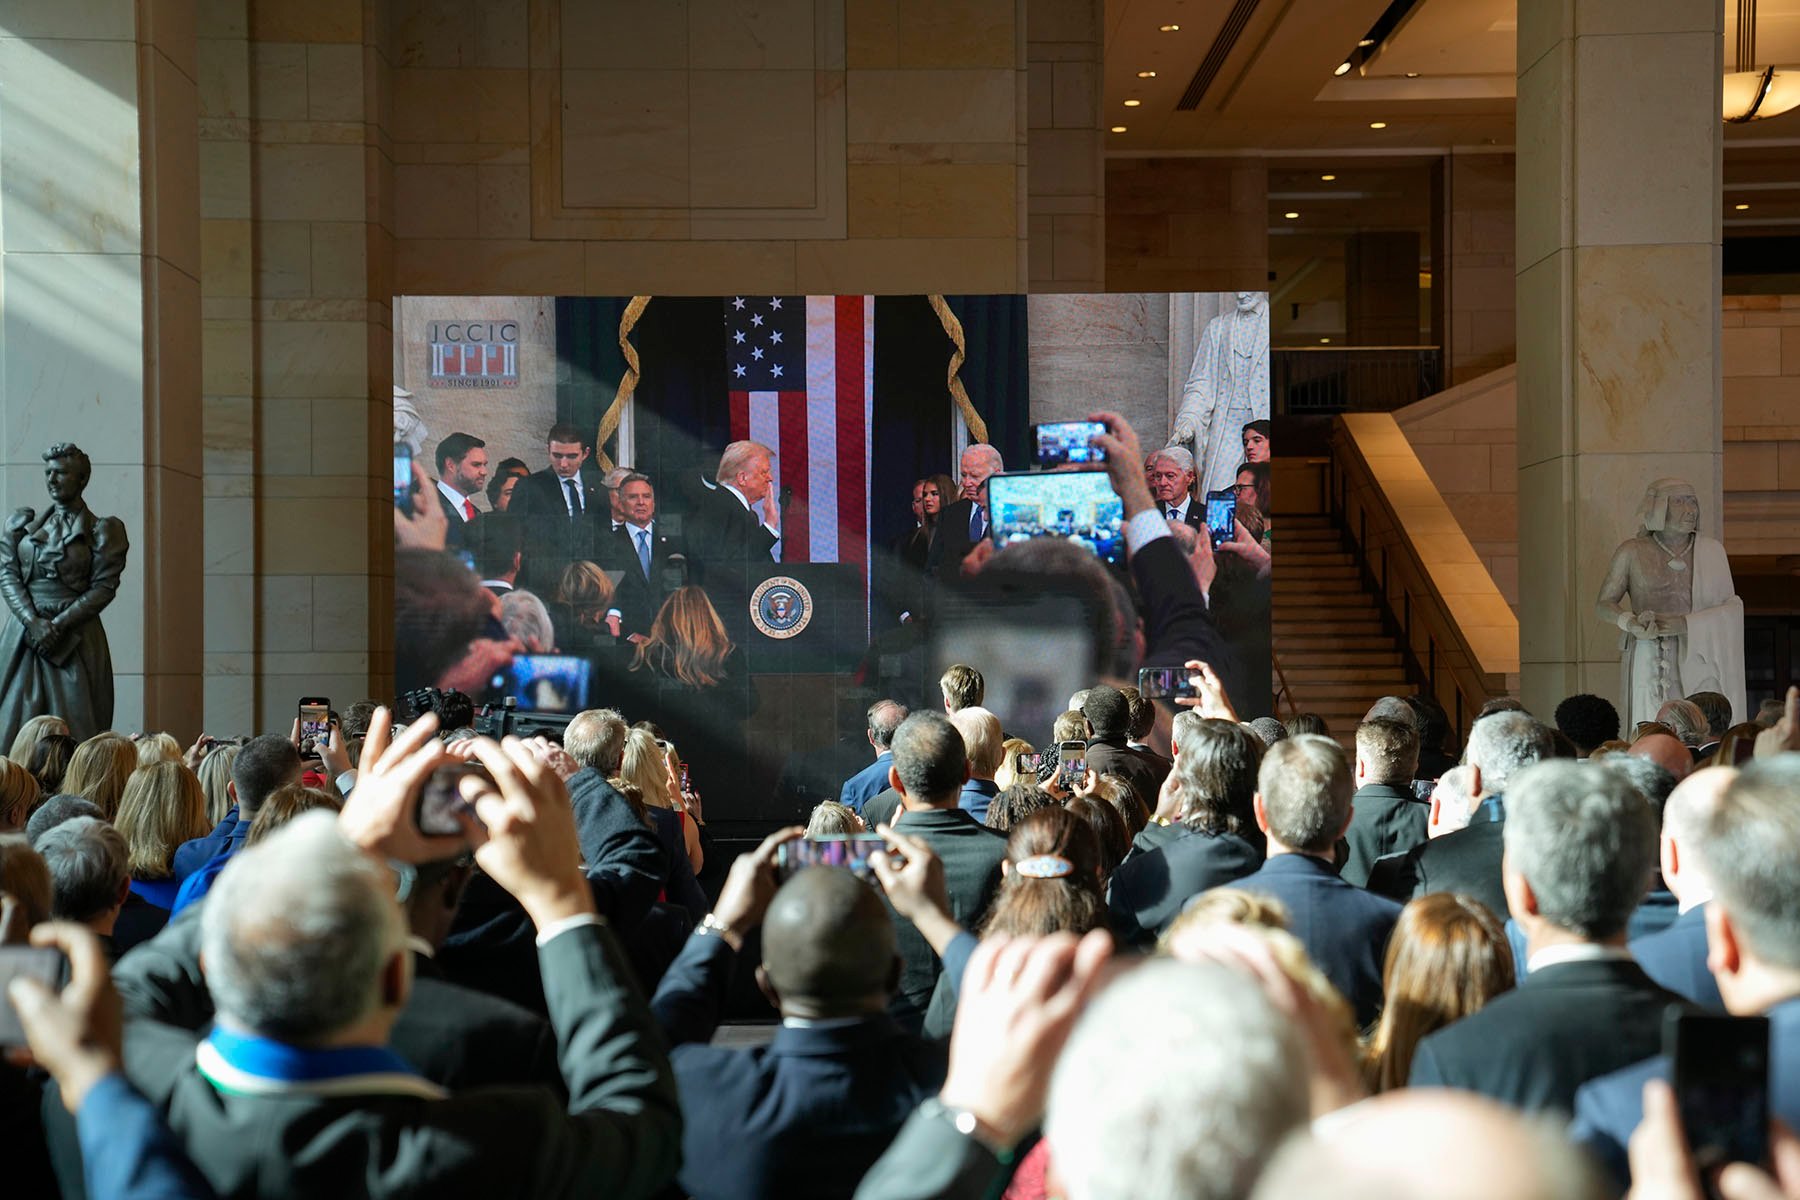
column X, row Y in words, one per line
column 1675, row 956
column 1667, row 752
column 808, row 1113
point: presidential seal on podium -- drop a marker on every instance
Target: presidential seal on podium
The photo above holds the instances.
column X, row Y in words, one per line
column 781, row 607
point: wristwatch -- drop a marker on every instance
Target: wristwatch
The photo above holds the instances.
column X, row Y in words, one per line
column 712, row 926
column 967, row 1124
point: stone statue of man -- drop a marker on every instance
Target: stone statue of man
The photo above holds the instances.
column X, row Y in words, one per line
column 1669, row 589
column 1227, row 388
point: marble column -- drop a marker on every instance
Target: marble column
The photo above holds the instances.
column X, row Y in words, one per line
column 100, row 329
column 1619, row 170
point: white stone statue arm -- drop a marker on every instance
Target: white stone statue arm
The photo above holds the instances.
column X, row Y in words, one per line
column 1195, row 413
column 1611, row 606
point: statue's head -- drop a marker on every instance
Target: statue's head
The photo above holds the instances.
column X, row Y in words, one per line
column 1246, row 301
column 66, row 471
column 1670, row 506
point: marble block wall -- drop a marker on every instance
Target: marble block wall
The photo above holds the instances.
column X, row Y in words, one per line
column 99, row 332
column 1108, row 351
column 1478, row 265
column 1067, row 191
column 1187, row 224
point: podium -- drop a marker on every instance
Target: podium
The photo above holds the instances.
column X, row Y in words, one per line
column 805, row 619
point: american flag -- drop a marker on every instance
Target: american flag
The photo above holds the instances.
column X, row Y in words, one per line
column 801, row 378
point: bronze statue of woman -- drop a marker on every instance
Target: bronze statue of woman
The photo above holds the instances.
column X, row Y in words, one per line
column 58, row 569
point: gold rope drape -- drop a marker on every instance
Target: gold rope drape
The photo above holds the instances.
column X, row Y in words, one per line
column 609, row 420
column 954, row 331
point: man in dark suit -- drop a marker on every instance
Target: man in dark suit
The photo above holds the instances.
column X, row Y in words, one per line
column 731, row 540
column 965, row 523
column 1464, row 852
column 262, row 765
column 1579, row 847
column 1215, row 775
column 884, row 717
column 261, row 1108
column 1303, row 807
column 565, row 515
column 1675, row 956
column 1109, row 716
column 462, row 468
column 1659, row 907
column 807, row 1114
column 930, row 768
column 641, row 550
column 1389, row 819
column 1170, row 474
column 1750, row 843
column 499, row 551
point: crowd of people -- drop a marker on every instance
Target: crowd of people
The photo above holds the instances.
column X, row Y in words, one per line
column 1204, row 957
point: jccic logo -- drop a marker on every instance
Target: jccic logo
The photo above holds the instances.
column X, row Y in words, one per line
column 479, row 354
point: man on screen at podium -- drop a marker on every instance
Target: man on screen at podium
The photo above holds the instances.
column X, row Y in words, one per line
column 734, row 532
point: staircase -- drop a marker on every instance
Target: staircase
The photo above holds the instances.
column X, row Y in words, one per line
column 1328, row 635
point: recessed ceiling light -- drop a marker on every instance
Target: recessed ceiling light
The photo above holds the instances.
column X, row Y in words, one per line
column 1133, row 103
column 1740, row 207
column 1146, row 74
column 1412, row 74
column 1343, row 68
column 1291, row 216
column 1377, row 124
column 1324, row 341
column 1366, row 42
column 1169, row 28
column 1327, row 178
column 1118, row 129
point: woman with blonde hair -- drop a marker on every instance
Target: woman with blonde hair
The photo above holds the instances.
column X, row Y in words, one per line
column 689, row 678
column 587, row 613
column 284, row 804
column 18, row 795
column 687, row 641
column 99, row 770
column 157, row 747
column 215, row 780
column 1448, row 957
column 646, row 766
column 31, row 732
column 161, row 808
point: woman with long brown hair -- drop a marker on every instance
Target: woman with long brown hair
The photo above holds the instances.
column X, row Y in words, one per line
column 687, row 641
column 1447, row 958
column 689, row 679
column 1052, row 878
column 99, row 769
column 162, row 806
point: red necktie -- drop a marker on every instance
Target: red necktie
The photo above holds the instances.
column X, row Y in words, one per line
column 468, row 510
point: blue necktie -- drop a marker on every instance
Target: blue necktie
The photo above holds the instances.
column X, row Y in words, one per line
column 574, row 497
column 643, row 541
column 977, row 523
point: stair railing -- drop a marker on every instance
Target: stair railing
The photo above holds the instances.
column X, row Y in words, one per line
column 1459, row 642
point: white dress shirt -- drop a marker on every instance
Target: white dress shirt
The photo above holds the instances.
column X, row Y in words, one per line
column 457, row 500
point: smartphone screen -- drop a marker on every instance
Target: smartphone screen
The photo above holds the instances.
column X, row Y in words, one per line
column 1165, row 683
column 546, row 683
column 45, row 964
column 848, row 850
column 1721, row 1086
column 1060, row 443
column 441, row 800
column 1221, row 516
column 686, row 787
column 315, row 724
column 1072, row 759
column 1078, row 506
column 1027, row 764
column 403, row 476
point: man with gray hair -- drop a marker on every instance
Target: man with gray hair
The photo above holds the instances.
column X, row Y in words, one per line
column 884, row 717
column 1303, row 806
column 1675, row 956
column 734, row 531
column 625, row 863
column 964, row 524
column 88, row 876
column 295, row 1092
column 1580, row 843
column 1170, row 474
column 1749, row 842
column 1467, row 860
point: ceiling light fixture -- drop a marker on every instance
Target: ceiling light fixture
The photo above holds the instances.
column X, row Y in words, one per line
column 1118, row 129
column 1291, row 216
column 1740, row 207
column 1412, row 74
column 1366, row 42
column 1324, row 341
column 1343, row 68
column 1377, row 124
column 1170, row 28
column 1327, row 178
column 1753, row 93
column 1133, row 103
column 1146, row 74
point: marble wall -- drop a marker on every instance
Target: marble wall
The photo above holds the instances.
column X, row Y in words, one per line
column 1478, row 266
column 99, row 332
column 1093, row 352
column 1187, row 224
